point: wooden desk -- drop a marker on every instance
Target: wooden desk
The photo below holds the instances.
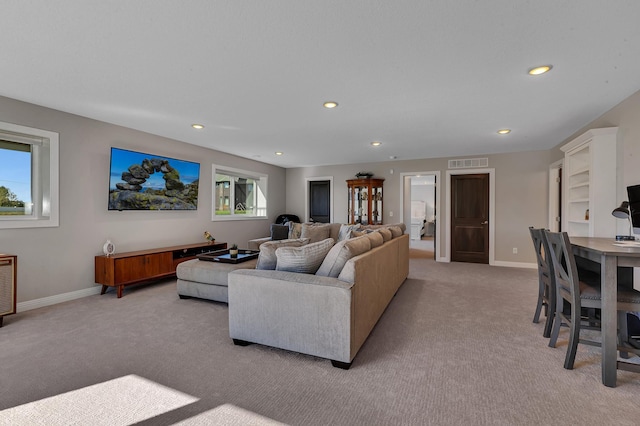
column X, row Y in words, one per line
column 610, row 257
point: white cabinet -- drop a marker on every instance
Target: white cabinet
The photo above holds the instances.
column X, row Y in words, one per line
column 589, row 184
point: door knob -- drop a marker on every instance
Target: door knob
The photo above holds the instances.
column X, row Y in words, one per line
column 486, row 222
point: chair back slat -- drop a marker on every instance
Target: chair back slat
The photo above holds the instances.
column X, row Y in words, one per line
column 564, row 265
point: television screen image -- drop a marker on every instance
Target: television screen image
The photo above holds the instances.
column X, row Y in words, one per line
column 140, row 181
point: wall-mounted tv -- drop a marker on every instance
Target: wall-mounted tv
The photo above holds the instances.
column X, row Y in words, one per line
column 140, row 181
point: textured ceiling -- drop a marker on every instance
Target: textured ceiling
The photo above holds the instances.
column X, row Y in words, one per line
column 426, row 78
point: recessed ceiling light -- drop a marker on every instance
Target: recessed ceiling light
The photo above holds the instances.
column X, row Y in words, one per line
column 540, row 70
column 330, row 104
column 279, row 153
column 376, row 143
column 392, row 157
column 197, row 126
column 504, row 131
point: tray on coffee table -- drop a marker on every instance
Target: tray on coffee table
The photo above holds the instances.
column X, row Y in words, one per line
column 224, row 256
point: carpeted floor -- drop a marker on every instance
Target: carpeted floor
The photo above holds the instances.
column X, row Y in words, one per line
column 455, row 346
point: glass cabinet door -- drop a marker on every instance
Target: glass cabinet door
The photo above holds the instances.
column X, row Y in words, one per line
column 365, row 201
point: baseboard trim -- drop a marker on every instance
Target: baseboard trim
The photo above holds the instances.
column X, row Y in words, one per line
column 58, row 298
column 500, row 263
column 515, row 264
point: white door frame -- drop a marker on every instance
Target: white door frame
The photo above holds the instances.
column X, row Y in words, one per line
column 554, row 195
column 492, row 210
column 306, row 195
column 436, row 211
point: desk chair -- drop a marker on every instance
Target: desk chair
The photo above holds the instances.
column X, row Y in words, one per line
column 579, row 294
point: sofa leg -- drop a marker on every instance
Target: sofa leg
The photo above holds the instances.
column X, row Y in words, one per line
column 239, row 342
column 182, row 296
column 342, row 365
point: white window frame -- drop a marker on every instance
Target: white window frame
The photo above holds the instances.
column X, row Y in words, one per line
column 261, row 179
column 44, row 176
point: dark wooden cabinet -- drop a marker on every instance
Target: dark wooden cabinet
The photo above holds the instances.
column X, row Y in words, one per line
column 365, row 201
column 122, row 269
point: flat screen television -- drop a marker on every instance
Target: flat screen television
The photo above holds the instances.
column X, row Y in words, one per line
column 633, row 192
column 140, row 181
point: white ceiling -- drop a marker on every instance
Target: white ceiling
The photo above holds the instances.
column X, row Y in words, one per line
column 426, row 78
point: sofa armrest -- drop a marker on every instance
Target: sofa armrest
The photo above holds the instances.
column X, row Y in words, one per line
column 299, row 312
column 255, row 243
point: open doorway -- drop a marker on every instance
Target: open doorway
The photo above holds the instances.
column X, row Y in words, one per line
column 419, row 207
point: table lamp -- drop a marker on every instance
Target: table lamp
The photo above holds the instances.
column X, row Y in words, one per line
column 622, row 212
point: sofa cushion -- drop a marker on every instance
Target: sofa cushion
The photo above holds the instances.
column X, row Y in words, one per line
column 279, row 232
column 305, row 259
column 345, row 231
column 341, row 253
column 267, row 258
column 295, row 229
column 316, row 231
column 386, row 234
column 401, row 225
column 396, row 231
column 375, row 238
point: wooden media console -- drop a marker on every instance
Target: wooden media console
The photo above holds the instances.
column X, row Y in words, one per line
column 134, row 267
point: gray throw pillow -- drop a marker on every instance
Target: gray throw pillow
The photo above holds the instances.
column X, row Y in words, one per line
column 341, row 253
column 305, row 259
column 279, row 232
column 316, row 231
column 267, row 258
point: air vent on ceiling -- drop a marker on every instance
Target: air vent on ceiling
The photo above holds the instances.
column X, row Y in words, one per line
column 468, row 163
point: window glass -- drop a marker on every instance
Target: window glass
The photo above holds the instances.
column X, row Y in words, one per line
column 28, row 177
column 238, row 194
column 15, row 179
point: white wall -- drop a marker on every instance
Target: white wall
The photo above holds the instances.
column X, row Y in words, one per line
column 55, row 261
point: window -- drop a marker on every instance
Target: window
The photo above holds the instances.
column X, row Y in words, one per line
column 28, row 177
column 238, row 194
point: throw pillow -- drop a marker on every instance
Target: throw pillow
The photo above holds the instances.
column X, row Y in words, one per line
column 316, row 231
column 267, row 258
column 295, row 229
column 305, row 259
column 279, row 232
column 345, row 231
column 341, row 253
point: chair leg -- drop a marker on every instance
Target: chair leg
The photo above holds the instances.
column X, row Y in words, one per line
column 623, row 333
column 574, row 339
column 557, row 322
column 548, row 324
column 536, row 316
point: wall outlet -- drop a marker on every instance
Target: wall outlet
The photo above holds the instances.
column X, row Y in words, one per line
column 515, row 250
column 390, row 214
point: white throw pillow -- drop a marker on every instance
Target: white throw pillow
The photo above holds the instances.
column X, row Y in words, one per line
column 345, row 231
column 267, row 258
column 341, row 253
column 305, row 259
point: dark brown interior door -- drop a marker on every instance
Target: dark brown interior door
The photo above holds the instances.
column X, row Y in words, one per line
column 319, row 201
column 470, row 218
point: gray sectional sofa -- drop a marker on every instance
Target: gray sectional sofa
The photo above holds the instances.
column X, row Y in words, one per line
column 328, row 315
